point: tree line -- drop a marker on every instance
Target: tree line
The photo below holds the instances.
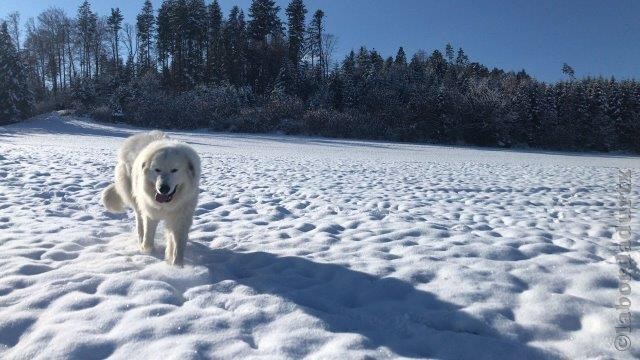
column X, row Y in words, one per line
column 189, row 65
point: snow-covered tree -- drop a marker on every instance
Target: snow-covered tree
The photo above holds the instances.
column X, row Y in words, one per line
column 442, row 96
column 266, row 48
column 296, row 12
column 568, row 70
column 15, row 97
column 13, row 22
column 264, row 24
column 215, row 44
column 114, row 21
column 145, row 26
column 401, row 57
column 448, row 52
column 86, row 27
column 314, row 42
column 235, row 47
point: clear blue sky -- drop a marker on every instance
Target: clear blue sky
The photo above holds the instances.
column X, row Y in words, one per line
column 595, row 37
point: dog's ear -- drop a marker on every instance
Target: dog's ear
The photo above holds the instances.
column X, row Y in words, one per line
column 192, row 170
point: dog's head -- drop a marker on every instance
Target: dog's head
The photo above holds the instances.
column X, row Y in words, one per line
column 171, row 172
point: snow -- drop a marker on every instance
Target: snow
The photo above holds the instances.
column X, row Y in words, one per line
column 310, row 247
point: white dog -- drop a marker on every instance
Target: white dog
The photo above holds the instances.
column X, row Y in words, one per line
column 159, row 179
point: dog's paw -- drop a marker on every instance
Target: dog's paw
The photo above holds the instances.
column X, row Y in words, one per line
column 174, row 262
column 147, row 249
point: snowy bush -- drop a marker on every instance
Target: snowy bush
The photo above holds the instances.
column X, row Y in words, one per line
column 102, row 113
column 281, row 110
column 332, row 123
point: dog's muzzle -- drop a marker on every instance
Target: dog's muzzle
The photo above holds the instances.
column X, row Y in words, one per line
column 162, row 195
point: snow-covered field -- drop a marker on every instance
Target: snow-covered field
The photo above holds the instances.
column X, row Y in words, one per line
column 304, row 247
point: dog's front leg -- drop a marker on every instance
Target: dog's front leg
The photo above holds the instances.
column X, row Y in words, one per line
column 150, row 226
column 139, row 227
column 177, row 235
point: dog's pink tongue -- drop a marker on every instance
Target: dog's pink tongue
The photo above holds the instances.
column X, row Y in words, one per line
column 162, row 198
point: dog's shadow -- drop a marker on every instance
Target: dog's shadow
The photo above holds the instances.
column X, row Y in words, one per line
column 387, row 311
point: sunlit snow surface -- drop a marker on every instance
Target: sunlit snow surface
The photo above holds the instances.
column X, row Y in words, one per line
column 308, row 247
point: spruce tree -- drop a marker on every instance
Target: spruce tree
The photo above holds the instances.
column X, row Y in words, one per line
column 15, row 97
column 316, row 29
column 264, row 22
column 164, row 35
column 349, row 64
column 14, row 28
column 87, row 25
column 401, row 57
column 568, row 70
column 284, row 83
column 296, row 12
column 114, row 21
column 215, row 55
column 461, row 58
column 363, row 61
column 448, row 52
column 388, row 63
column 349, row 90
column 145, row 22
column 266, row 47
column 377, row 62
column 235, row 47
column 437, row 63
column 195, row 25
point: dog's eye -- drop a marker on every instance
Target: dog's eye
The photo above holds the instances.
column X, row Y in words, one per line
column 174, row 170
column 158, row 170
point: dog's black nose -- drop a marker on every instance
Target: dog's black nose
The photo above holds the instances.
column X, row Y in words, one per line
column 164, row 189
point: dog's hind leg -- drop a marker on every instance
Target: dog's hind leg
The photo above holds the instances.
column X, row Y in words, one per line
column 149, row 228
column 112, row 199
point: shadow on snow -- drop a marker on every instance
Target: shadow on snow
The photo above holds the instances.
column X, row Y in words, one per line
column 386, row 311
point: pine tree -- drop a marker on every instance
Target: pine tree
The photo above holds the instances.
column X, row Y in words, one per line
column 349, row 63
column 15, row 97
column 388, row 63
column 401, row 58
column 14, row 28
column 568, row 70
column 285, row 82
column 235, row 47
column 114, row 21
column 363, row 63
column 448, row 52
column 266, row 50
column 265, row 23
column 195, row 25
column 164, row 35
column 417, row 66
column 145, row 22
column 215, row 55
column 87, row 25
column 349, row 73
column 461, row 58
column 296, row 12
column 377, row 62
column 316, row 29
column 437, row 63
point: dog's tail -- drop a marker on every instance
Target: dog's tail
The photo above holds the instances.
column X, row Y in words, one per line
column 112, row 200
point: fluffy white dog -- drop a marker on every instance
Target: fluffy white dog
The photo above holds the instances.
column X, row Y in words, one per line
column 159, row 179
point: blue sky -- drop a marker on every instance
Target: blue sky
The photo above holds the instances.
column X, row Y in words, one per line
column 595, row 37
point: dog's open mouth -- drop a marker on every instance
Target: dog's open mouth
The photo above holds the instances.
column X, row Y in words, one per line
column 165, row 198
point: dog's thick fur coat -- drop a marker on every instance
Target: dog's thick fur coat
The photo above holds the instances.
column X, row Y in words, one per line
column 159, row 179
